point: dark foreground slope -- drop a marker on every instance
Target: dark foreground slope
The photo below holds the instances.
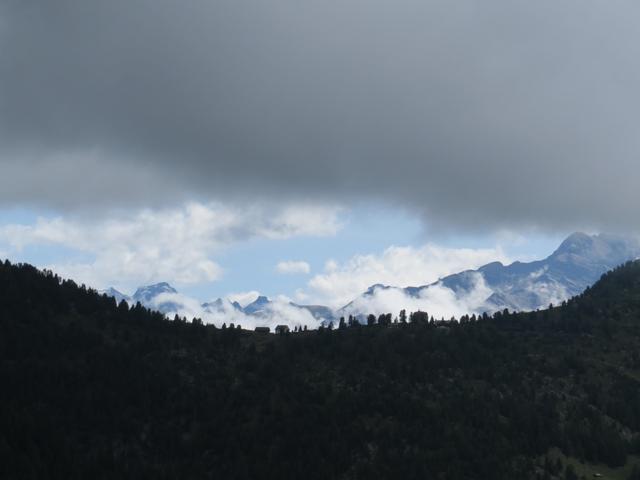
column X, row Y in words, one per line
column 92, row 390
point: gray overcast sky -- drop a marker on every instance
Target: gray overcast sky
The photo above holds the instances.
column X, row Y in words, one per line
column 477, row 114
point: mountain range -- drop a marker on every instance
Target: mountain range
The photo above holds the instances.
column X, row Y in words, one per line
column 576, row 264
column 163, row 298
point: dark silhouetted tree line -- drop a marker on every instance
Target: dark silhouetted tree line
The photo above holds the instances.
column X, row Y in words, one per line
column 92, row 389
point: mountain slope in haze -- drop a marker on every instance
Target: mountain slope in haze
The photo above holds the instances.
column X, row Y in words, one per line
column 258, row 307
column 219, row 306
column 263, row 306
column 119, row 296
column 319, row 312
column 577, row 263
column 93, row 390
column 160, row 296
column 166, row 299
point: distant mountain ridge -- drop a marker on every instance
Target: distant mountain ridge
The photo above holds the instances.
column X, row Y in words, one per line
column 164, row 298
column 576, row 264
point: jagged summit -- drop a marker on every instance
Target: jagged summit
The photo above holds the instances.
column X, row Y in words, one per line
column 577, row 241
column 259, row 305
column 158, row 297
column 221, row 305
column 149, row 291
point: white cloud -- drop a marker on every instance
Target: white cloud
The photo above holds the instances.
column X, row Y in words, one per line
column 293, row 267
column 397, row 266
column 278, row 312
column 437, row 300
column 301, row 295
column 244, row 298
column 172, row 244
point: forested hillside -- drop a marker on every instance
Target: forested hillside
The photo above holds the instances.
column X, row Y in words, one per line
column 90, row 389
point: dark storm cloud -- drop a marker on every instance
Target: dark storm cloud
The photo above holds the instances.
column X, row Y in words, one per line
column 479, row 113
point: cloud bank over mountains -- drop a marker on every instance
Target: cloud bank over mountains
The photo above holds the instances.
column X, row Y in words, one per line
column 575, row 265
column 157, row 133
column 155, row 245
column 259, row 312
column 478, row 115
column 396, row 265
column 438, row 300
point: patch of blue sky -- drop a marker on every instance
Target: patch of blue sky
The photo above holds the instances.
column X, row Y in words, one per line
column 19, row 216
column 252, row 265
column 367, row 230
